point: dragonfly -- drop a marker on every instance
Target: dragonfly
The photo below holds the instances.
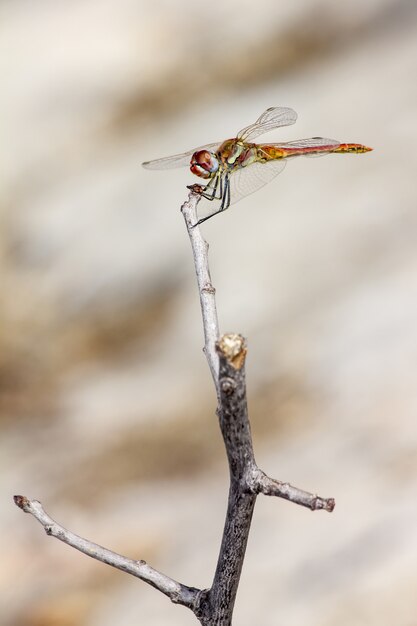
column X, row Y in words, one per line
column 237, row 167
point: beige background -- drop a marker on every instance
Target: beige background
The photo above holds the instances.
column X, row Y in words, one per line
column 106, row 402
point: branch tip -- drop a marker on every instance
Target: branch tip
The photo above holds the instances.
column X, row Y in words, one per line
column 271, row 487
column 232, row 347
column 22, row 502
column 330, row 503
column 196, row 189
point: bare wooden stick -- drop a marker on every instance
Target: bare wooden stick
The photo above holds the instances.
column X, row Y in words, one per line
column 178, row 593
column 206, row 290
column 271, row 487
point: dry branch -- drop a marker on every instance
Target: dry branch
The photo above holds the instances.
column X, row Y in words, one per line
column 226, row 359
column 178, row 593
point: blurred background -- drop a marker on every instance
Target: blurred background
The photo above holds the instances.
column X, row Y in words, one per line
column 106, row 401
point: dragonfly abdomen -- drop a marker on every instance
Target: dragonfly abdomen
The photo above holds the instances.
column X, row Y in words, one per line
column 306, row 147
column 266, row 153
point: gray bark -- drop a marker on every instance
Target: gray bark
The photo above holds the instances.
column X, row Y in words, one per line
column 226, row 358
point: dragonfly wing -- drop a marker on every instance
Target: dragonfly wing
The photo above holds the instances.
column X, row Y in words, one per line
column 269, row 120
column 178, row 160
column 323, row 144
column 246, row 180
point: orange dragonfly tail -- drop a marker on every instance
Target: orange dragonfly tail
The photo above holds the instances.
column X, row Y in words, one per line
column 355, row 148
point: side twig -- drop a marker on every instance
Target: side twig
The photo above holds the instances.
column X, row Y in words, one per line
column 178, row 593
column 271, row 487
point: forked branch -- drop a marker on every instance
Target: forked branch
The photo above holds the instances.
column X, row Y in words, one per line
column 226, row 359
column 246, row 479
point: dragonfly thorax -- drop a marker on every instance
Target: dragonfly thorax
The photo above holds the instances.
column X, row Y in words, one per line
column 204, row 164
column 235, row 153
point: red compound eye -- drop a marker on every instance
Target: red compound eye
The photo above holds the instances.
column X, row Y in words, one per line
column 204, row 164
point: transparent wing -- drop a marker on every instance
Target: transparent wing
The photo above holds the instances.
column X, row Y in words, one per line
column 178, row 160
column 314, row 146
column 246, row 180
column 270, row 119
column 249, row 179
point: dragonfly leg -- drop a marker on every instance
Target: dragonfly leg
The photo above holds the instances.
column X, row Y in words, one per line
column 225, row 198
column 226, row 195
column 210, row 190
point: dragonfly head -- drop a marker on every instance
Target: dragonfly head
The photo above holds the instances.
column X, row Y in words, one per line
column 204, row 164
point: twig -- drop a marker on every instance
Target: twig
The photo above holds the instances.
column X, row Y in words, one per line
column 206, row 290
column 178, row 593
column 271, row 487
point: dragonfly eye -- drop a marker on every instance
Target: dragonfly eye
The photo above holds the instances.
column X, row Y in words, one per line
column 204, row 164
